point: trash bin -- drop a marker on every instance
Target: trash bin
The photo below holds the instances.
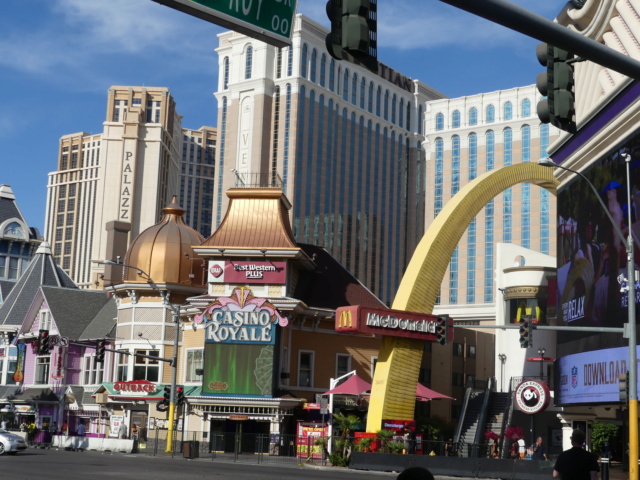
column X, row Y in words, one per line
column 190, row 449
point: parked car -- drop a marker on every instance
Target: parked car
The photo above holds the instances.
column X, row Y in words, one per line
column 11, row 443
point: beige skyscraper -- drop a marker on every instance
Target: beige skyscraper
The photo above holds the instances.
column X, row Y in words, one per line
column 109, row 187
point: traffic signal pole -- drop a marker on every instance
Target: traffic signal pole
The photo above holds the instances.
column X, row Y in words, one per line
column 174, row 371
column 528, row 23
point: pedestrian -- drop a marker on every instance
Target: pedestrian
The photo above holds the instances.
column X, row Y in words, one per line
column 23, row 426
column 3, row 424
column 81, row 429
column 522, row 448
column 415, row 473
column 122, row 430
column 53, row 429
column 539, row 451
column 31, row 432
column 65, row 428
column 576, row 463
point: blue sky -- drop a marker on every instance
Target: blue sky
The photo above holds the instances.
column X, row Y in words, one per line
column 59, row 57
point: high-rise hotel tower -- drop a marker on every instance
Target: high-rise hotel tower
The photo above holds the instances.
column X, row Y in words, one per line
column 345, row 144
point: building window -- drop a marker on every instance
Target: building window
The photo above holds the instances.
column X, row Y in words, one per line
column 526, row 107
column 45, row 320
column 323, row 69
column 455, row 119
column 374, row 364
column 473, row 116
column 195, row 361
column 225, row 83
column 42, row 370
column 471, row 351
column 248, row 62
column 491, row 114
column 14, row 230
column 303, row 61
column 146, row 368
column 93, row 371
column 123, row 367
column 314, row 59
column 305, row 369
column 439, row 121
column 508, row 111
column 343, row 364
column 457, row 379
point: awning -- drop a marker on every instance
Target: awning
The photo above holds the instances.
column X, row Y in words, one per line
column 35, row 395
column 354, row 385
column 424, row 394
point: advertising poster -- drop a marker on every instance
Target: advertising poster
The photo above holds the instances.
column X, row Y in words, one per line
column 588, row 378
column 593, row 289
column 114, row 423
column 305, row 439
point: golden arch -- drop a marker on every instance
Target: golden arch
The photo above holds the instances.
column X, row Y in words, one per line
column 397, row 370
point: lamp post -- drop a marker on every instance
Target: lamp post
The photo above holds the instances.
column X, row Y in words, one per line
column 630, row 330
column 503, row 358
column 541, row 352
column 175, row 314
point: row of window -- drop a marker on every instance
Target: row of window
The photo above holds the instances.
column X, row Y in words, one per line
column 489, row 117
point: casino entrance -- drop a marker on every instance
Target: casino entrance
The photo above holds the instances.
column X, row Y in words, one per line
column 239, row 436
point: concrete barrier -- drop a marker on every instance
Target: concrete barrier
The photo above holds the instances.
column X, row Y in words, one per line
column 455, row 466
column 93, row 443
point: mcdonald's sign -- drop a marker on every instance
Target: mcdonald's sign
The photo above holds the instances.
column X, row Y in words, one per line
column 396, row 323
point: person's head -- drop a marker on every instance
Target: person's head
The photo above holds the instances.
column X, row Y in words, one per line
column 578, row 437
column 539, row 440
column 415, row 473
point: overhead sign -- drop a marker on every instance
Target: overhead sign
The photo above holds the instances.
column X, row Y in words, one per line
column 381, row 321
column 238, row 272
column 270, row 21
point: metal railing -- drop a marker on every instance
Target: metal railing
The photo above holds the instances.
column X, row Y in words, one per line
column 255, row 180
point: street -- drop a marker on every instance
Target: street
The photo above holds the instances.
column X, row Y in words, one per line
column 35, row 464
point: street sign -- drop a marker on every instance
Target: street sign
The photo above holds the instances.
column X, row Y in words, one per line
column 270, row 21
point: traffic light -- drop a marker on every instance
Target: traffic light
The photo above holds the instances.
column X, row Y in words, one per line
column 442, row 325
column 43, row 342
column 526, row 332
column 167, row 394
column 623, row 385
column 354, row 31
column 557, row 84
column 101, row 345
column 179, row 396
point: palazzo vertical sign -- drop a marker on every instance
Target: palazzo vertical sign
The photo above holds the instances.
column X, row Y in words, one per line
column 126, row 188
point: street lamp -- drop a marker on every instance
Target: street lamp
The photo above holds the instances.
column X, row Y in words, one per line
column 503, row 358
column 541, row 352
column 630, row 327
column 175, row 313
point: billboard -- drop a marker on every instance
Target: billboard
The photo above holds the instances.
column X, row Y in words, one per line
column 240, row 338
column 237, row 272
column 588, row 378
column 592, row 287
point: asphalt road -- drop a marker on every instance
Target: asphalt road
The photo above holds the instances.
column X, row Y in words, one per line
column 36, row 464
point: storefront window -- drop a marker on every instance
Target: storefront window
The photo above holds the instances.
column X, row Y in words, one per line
column 146, row 368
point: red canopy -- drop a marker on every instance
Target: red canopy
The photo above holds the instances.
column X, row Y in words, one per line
column 354, row 385
column 424, row 394
column 540, row 359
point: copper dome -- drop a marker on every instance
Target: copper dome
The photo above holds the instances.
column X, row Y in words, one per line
column 164, row 251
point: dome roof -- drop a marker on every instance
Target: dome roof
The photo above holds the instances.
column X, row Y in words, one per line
column 164, row 251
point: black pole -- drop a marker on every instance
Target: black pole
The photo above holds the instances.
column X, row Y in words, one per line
column 533, row 25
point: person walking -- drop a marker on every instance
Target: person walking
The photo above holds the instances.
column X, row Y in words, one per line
column 539, row 451
column 576, row 463
column 122, row 430
column 522, row 448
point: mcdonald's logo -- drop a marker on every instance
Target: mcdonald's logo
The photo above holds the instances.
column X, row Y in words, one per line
column 345, row 320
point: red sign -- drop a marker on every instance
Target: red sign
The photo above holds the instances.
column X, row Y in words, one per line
column 306, row 436
column 241, row 272
column 381, row 321
column 135, row 386
column 532, row 396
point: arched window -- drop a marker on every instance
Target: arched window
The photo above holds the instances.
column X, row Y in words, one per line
column 455, row 119
column 490, row 114
column 408, row 115
column 363, row 85
column 378, row 100
column 225, row 66
column 440, row 121
column 290, row 61
column 526, row 107
column 508, row 111
column 248, row 62
column 394, row 105
column 314, row 58
column 323, row 69
column 473, row 116
column 401, row 114
column 354, row 89
column 386, row 105
column 332, row 72
column 303, row 61
column 345, row 85
column 370, row 101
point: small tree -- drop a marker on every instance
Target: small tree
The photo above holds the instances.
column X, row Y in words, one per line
column 384, row 436
column 342, row 446
column 601, row 433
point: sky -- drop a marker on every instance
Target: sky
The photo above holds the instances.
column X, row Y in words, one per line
column 58, row 59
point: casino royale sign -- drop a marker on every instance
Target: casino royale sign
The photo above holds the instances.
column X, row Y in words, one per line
column 394, row 323
column 241, row 318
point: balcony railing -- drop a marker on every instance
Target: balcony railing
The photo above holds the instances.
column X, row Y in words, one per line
column 258, row 180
